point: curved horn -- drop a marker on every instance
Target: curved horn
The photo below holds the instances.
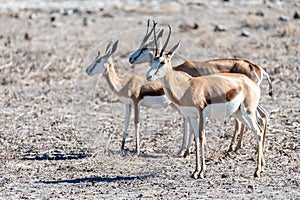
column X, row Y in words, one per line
column 155, row 39
column 147, row 34
column 167, row 41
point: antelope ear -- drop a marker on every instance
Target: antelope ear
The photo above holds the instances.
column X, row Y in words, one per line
column 173, row 50
column 108, row 47
column 98, row 52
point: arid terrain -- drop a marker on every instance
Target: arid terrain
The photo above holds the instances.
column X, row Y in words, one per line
column 61, row 130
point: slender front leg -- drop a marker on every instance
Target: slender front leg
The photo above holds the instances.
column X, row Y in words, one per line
column 197, row 147
column 127, row 119
column 137, row 126
column 199, row 142
column 184, row 151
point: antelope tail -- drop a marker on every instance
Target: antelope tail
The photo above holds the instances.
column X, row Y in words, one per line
column 264, row 73
column 269, row 81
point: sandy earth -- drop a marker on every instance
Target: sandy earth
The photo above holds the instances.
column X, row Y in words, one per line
column 61, row 130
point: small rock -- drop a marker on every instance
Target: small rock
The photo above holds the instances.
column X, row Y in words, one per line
column 296, row 15
column 56, row 24
column 139, row 196
column 185, row 26
column 245, row 34
column 52, row 18
column 68, row 12
column 32, row 16
column 259, row 13
column 77, row 10
column 27, row 36
column 283, row 18
column 219, row 28
column 107, row 15
column 86, row 21
column 90, row 11
column 15, row 15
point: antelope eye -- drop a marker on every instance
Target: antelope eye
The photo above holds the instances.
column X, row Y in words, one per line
column 162, row 62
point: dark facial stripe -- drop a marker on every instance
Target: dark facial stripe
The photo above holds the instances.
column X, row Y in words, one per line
column 140, row 53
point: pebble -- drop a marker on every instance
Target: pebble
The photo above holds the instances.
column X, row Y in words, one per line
column 259, row 13
column 68, row 12
column 86, row 21
column 283, row 18
column 187, row 26
column 27, row 36
column 56, row 24
column 219, row 28
column 32, row 16
column 245, row 34
column 107, row 15
column 296, row 15
column 52, row 18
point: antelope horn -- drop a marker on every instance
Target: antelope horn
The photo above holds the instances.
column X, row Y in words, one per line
column 155, row 39
column 147, row 34
column 167, row 41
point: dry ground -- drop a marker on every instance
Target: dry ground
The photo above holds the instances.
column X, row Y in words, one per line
column 61, row 130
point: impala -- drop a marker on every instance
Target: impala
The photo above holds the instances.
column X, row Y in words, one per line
column 134, row 92
column 201, row 68
column 215, row 96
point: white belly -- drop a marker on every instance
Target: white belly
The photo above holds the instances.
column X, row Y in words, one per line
column 214, row 111
column 155, row 101
column 223, row 110
column 149, row 101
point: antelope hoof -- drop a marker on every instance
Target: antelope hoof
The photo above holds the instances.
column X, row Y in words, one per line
column 186, row 153
column 123, row 145
column 181, row 153
column 197, row 175
column 238, row 147
column 257, row 173
column 230, row 149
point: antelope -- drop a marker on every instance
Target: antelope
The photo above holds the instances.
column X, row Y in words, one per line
column 215, row 96
column 202, row 68
column 134, row 91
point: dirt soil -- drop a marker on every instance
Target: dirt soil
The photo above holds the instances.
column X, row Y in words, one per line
column 61, row 130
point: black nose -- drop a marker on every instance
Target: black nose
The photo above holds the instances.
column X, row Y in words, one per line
column 131, row 60
column 149, row 78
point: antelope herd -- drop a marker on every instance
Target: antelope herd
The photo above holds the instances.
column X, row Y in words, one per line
column 196, row 89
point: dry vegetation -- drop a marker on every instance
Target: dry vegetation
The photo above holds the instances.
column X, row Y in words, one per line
column 61, row 130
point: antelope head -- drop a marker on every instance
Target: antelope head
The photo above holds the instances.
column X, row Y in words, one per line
column 161, row 62
column 99, row 65
column 143, row 53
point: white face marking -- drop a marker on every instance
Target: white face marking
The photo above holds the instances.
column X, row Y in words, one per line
column 157, row 70
column 142, row 54
column 97, row 66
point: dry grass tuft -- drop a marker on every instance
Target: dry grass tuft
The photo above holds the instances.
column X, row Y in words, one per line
column 252, row 21
column 287, row 30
